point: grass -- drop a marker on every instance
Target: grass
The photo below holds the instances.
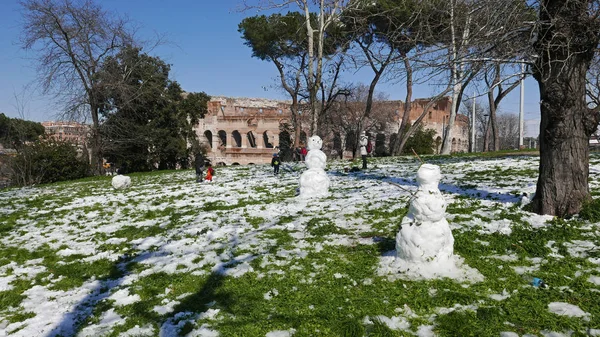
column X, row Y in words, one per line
column 243, row 257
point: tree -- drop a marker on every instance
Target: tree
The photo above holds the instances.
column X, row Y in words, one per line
column 481, row 122
column 421, row 141
column 318, row 26
column 367, row 27
column 72, row 39
column 148, row 119
column 495, row 85
column 280, row 39
column 14, row 132
column 508, row 131
column 46, row 161
column 566, row 39
column 349, row 116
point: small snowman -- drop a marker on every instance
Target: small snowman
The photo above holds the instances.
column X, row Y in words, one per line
column 120, row 182
column 425, row 236
column 314, row 181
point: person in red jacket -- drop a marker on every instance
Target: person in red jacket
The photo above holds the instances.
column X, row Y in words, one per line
column 209, row 172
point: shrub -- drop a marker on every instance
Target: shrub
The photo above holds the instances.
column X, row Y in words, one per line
column 421, row 141
column 47, row 161
column 591, row 210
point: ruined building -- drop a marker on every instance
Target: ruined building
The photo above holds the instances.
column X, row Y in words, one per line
column 249, row 130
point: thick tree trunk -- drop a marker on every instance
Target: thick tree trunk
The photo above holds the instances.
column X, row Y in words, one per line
column 562, row 184
column 565, row 48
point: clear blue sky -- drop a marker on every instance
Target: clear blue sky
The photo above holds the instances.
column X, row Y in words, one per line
column 206, row 52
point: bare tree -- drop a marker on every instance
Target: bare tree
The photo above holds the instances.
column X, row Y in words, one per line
column 71, row 39
column 508, row 131
column 327, row 15
column 495, row 93
column 348, row 115
column 481, row 121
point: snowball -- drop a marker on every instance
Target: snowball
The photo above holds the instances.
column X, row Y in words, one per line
column 121, row 181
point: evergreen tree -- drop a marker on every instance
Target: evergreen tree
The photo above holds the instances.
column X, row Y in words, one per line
column 148, row 119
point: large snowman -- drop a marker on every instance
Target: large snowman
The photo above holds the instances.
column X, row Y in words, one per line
column 314, row 181
column 425, row 238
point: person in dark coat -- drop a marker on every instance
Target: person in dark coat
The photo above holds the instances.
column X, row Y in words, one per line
column 199, row 165
column 275, row 162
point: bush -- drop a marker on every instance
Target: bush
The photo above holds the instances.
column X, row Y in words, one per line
column 591, row 210
column 421, row 141
column 47, row 161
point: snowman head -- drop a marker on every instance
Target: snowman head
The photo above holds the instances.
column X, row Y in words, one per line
column 315, row 143
column 429, row 174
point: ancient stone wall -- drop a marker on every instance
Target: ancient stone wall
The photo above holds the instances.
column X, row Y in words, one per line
column 247, row 130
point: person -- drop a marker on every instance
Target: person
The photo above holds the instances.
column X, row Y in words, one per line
column 304, row 152
column 199, row 165
column 297, row 154
column 123, row 169
column 275, row 162
column 363, row 140
column 209, row 172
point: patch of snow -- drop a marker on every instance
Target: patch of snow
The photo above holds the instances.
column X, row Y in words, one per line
column 281, row 333
column 566, row 309
column 594, row 279
column 122, row 297
column 137, row 331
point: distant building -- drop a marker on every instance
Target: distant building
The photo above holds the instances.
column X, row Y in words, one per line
column 242, row 130
column 249, row 130
column 437, row 119
column 72, row 132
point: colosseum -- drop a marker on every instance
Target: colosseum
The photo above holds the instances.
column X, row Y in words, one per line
column 249, row 130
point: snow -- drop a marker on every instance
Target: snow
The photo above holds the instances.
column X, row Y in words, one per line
column 314, row 181
column 281, row 333
column 120, row 182
column 224, row 241
column 566, row 309
column 424, row 244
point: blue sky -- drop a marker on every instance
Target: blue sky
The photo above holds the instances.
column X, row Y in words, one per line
column 206, row 52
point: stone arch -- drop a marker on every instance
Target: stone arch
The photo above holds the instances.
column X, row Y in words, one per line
column 222, row 137
column 285, row 146
column 393, row 138
column 251, row 139
column 209, row 137
column 237, row 138
column 267, row 143
column 380, row 149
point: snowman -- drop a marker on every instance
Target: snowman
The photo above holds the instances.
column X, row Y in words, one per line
column 425, row 237
column 314, row 181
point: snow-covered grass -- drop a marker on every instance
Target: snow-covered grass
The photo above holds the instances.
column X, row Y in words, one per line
column 242, row 256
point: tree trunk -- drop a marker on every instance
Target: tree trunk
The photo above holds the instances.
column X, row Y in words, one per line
column 486, row 137
column 96, row 141
column 562, row 184
column 565, row 48
column 402, row 137
column 495, row 139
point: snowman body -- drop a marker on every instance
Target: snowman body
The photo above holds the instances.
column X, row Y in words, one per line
column 314, row 181
column 425, row 236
